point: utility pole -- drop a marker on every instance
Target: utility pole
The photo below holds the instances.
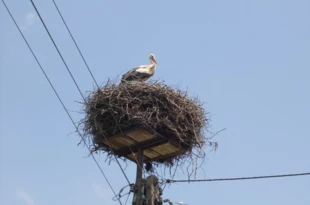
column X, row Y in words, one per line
column 146, row 191
column 153, row 192
column 139, row 190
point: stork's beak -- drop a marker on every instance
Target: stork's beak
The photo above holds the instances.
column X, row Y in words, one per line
column 154, row 60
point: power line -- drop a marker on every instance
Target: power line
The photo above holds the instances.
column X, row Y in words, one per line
column 56, row 93
column 239, row 178
column 89, row 70
column 77, row 47
column 82, row 56
column 127, row 198
column 63, row 60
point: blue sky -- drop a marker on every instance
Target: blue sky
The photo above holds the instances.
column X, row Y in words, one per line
column 247, row 60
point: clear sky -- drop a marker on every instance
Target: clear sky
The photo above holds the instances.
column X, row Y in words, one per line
column 248, row 60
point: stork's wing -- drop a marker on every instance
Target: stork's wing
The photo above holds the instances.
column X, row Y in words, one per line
column 126, row 75
column 136, row 74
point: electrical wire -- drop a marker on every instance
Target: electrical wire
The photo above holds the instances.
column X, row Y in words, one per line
column 239, row 178
column 82, row 56
column 119, row 195
column 86, row 64
column 75, row 43
column 127, row 198
column 77, row 86
column 56, row 93
column 62, row 58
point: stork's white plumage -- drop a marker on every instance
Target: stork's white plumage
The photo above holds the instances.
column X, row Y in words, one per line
column 141, row 73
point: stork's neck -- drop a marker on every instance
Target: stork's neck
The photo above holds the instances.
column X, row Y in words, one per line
column 153, row 62
column 152, row 66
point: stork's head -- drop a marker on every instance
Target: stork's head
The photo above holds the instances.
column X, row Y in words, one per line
column 152, row 58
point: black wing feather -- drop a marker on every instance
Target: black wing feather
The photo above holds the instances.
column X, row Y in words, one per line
column 133, row 75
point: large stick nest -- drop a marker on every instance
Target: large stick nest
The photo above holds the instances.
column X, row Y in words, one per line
column 167, row 111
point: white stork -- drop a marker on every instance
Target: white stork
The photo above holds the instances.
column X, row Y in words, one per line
column 141, row 73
